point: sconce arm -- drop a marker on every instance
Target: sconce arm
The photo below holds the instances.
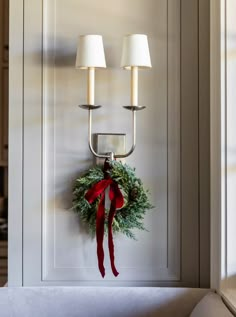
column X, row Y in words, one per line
column 133, row 137
column 134, row 109
column 90, row 138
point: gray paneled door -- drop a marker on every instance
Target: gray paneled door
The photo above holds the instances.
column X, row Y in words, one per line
column 55, row 247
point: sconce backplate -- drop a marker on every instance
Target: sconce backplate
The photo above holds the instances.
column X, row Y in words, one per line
column 109, row 142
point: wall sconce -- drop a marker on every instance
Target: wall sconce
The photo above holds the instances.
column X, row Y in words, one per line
column 135, row 55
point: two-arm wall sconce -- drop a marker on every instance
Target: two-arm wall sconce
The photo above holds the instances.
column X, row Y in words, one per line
column 135, row 55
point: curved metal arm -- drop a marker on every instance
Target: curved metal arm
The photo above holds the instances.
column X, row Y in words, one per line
column 134, row 109
column 90, row 138
column 133, row 138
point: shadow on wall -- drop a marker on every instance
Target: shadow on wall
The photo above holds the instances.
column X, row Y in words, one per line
column 64, row 54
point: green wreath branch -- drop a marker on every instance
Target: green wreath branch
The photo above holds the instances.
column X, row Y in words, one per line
column 127, row 218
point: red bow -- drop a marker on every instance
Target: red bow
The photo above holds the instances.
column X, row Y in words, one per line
column 117, row 201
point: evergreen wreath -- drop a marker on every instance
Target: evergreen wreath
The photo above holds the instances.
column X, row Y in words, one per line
column 136, row 200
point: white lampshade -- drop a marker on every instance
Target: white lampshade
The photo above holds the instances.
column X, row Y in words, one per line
column 90, row 52
column 135, row 51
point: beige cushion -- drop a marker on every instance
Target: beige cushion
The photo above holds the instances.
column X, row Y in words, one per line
column 98, row 301
column 211, row 306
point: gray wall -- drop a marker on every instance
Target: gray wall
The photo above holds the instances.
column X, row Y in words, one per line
column 172, row 155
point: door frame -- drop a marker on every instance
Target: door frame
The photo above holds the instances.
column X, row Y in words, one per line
column 16, row 136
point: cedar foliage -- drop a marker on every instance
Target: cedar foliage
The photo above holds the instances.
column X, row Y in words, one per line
column 130, row 216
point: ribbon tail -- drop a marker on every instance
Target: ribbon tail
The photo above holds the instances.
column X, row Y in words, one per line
column 100, row 219
column 110, row 237
column 116, row 195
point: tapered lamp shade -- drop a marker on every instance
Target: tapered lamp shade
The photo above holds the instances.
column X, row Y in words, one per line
column 135, row 51
column 90, row 52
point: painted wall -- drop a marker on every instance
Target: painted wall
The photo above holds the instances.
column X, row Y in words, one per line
column 67, row 149
column 55, row 146
column 223, row 220
column 228, row 177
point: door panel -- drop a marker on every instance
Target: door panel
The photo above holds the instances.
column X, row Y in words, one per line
column 56, row 247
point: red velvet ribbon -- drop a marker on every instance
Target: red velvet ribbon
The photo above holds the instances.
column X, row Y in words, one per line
column 117, row 201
